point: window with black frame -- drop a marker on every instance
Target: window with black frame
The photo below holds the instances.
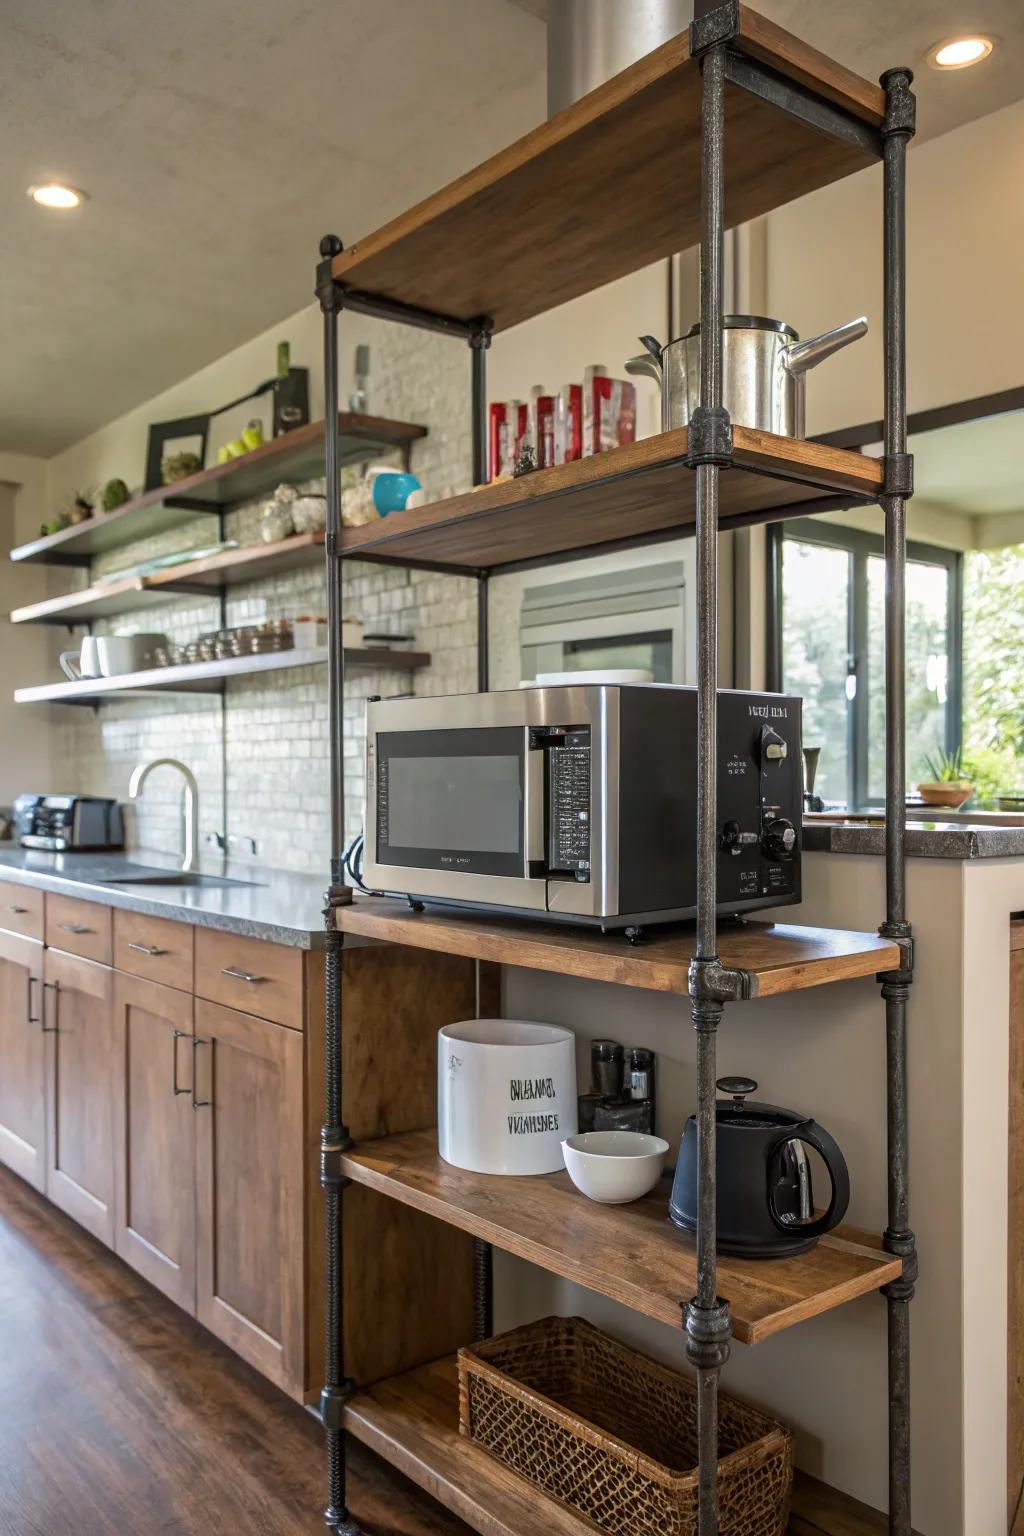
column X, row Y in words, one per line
column 826, row 631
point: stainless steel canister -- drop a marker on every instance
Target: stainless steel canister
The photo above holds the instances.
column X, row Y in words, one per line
column 763, row 368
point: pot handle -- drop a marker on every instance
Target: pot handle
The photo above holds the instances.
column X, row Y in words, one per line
column 814, row 1136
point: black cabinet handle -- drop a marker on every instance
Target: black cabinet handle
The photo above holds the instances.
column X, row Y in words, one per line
column 18, row 911
column 37, row 1019
column 179, row 1034
column 54, row 1028
column 197, row 1103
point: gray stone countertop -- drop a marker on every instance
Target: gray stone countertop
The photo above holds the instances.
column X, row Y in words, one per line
column 276, row 904
column 952, row 839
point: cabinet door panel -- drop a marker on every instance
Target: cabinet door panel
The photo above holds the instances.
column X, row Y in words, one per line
column 22, row 1059
column 155, row 1135
column 249, row 1150
column 80, row 1080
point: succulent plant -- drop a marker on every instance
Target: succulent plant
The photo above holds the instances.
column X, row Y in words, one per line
column 114, row 494
column 178, row 466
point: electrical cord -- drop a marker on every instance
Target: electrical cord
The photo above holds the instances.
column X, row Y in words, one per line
column 352, row 864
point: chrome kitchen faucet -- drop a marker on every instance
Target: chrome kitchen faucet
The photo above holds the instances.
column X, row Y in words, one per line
column 190, row 803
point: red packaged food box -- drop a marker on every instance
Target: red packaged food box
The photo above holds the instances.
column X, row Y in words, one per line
column 609, row 412
column 544, row 437
column 509, row 426
column 500, row 440
column 569, row 424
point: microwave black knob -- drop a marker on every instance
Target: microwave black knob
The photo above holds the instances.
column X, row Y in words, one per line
column 779, row 838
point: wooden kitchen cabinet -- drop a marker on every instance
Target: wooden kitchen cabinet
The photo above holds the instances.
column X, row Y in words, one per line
column 81, row 1074
column 22, row 1058
column 250, row 1149
column 154, row 1135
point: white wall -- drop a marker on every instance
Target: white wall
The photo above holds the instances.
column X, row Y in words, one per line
column 27, row 654
column 965, row 234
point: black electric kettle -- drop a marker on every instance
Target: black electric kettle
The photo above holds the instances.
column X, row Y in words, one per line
column 765, row 1199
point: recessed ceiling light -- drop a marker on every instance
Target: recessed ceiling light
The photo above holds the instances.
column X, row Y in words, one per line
column 52, row 194
column 960, row 52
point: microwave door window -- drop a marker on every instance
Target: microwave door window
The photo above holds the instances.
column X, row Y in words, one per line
column 452, row 810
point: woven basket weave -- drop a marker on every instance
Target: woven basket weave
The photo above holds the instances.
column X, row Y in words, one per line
column 613, row 1434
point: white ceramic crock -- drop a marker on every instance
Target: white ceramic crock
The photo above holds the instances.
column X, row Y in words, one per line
column 506, row 1095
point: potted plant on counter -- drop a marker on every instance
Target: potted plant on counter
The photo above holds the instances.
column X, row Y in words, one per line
column 948, row 783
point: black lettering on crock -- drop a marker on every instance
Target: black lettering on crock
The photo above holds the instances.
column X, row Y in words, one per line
column 531, row 1125
column 531, row 1088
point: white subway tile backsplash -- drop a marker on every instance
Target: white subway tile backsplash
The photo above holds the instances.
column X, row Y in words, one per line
column 260, row 753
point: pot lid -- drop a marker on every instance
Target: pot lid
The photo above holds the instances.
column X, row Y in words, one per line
column 748, row 1114
column 749, row 323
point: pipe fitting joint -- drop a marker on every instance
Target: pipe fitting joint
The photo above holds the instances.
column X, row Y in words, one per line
column 710, row 437
column 708, row 1331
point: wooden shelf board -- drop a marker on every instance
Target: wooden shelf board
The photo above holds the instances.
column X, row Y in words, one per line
column 210, row 676
column 780, row 957
column 631, row 1253
column 634, row 492
column 609, row 185
column 250, row 562
column 412, row 1422
column 296, row 455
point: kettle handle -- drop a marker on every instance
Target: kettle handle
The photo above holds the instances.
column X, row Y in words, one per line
column 811, row 1133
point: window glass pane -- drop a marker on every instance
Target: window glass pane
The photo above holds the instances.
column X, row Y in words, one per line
column 927, row 669
column 815, row 647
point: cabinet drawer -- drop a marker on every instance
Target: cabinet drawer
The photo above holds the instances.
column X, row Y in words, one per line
column 251, row 974
column 79, row 927
column 154, row 947
column 21, row 909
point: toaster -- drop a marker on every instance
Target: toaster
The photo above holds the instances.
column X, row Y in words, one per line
column 68, row 823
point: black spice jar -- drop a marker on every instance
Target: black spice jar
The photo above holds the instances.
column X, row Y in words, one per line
column 765, row 1198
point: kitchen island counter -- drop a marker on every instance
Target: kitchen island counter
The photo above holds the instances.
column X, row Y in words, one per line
column 279, row 905
column 951, row 837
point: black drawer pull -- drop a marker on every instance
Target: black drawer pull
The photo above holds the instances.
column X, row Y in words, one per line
column 197, row 1103
column 18, row 911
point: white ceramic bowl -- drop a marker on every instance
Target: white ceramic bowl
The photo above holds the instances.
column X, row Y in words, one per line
column 614, row 1167
column 506, row 1095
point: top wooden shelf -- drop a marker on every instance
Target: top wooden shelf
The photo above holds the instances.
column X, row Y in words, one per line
column 296, row 455
column 779, row 957
column 610, row 185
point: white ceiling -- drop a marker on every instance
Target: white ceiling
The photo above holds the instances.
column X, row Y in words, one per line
column 220, row 138
column 973, row 467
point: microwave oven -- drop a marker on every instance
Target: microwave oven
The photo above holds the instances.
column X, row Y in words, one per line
column 580, row 802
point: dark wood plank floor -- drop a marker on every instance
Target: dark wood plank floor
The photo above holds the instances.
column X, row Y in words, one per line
column 120, row 1416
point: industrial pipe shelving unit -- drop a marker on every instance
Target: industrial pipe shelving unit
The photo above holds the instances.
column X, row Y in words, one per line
column 537, row 225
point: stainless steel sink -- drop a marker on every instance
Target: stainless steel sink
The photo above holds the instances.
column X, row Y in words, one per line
column 183, row 877
column 140, row 874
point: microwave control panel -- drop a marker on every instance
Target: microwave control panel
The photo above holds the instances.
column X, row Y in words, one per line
column 568, row 800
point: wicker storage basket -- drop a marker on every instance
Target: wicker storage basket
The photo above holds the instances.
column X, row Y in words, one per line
column 613, row 1434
